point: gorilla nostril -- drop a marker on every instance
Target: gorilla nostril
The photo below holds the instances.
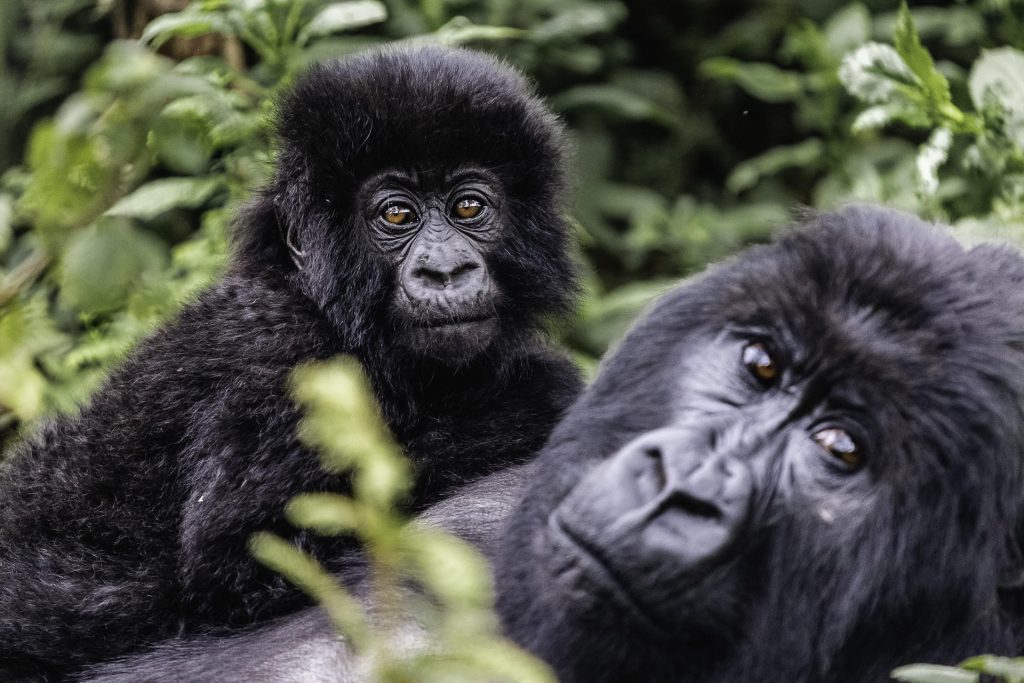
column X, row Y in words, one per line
column 656, row 471
column 464, row 269
column 429, row 276
column 681, row 500
column 441, row 277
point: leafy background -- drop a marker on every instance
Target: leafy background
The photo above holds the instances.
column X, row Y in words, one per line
column 131, row 130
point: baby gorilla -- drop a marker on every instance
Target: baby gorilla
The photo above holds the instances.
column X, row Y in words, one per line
column 803, row 465
column 415, row 222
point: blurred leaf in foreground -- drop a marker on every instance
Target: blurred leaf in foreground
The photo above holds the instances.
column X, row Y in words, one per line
column 431, row 596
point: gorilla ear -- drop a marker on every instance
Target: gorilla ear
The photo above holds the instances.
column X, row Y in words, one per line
column 287, row 234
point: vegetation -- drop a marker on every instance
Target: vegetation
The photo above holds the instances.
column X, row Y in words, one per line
column 453, row 600
column 127, row 146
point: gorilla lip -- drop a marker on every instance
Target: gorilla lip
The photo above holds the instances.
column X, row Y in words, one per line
column 457, row 322
column 590, row 563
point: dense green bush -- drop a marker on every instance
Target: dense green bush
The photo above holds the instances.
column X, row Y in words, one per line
column 119, row 209
column 697, row 128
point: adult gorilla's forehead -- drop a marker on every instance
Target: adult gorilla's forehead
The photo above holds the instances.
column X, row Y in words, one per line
column 863, row 281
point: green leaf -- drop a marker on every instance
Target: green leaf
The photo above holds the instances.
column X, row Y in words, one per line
column 125, row 68
column 462, row 31
column 326, row 513
column 104, row 261
column 26, row 331
column 929, row 673
column 159, row 196
column 343, row 16
column 766, row 82
column 6, row 218
column 745, row 175
column 847, row 29
column 451, row 569
column 188, row 23
column 67, row 182
column 909, row 47
column 997, row 77
column 875, row 73
column 579, row 22
column 181, row 144
column 953, row 26
column 302, row 570
column 881, row 115
column 1006, row 667
column 617, row 102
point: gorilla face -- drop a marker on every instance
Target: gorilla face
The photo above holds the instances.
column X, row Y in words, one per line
column 803, row 465
column 438, row 231
column 421, row 198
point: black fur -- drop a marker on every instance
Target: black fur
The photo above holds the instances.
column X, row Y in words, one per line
column 815, row 571
column 881, row 325
column 129, row 522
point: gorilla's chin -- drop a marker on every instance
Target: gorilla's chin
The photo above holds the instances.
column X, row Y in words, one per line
column 452, row 343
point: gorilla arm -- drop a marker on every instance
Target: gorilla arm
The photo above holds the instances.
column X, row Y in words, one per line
column 304, row 646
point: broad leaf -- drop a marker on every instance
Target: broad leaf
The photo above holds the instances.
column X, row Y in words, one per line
column 997, row 77
column 343, row 16
column 745, row 175
column 928, row 673
column 766, row 82
column 104, row 261
column 187, row 23
column 909, row 47
column 875, row 73
column 154, row 198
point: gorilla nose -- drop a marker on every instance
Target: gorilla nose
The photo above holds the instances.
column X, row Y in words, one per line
column 670, row 471
column 453, row 275
column 665, row 505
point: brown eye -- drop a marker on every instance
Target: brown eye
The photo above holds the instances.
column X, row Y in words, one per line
column 468, row 208
column 838, row 443
column 399, row 214
column 760, row 363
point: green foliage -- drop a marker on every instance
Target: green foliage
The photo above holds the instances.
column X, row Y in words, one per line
column 979, row 139
column 696, row 129
column 444, row 630
column 44, row 46
column 969, row 671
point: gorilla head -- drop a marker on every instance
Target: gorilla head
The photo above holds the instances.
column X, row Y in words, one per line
column 419, row 196
column 803, row 465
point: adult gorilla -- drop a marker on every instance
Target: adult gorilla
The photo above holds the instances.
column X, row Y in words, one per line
column 803, row 465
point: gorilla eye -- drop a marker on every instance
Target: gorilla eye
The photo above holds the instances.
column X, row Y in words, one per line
column 467, row 208
column 399, row 214
column 838, row 443
column 760, row 363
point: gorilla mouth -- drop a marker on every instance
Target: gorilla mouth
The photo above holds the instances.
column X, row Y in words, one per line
column 581, row 566
column 467, row 321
